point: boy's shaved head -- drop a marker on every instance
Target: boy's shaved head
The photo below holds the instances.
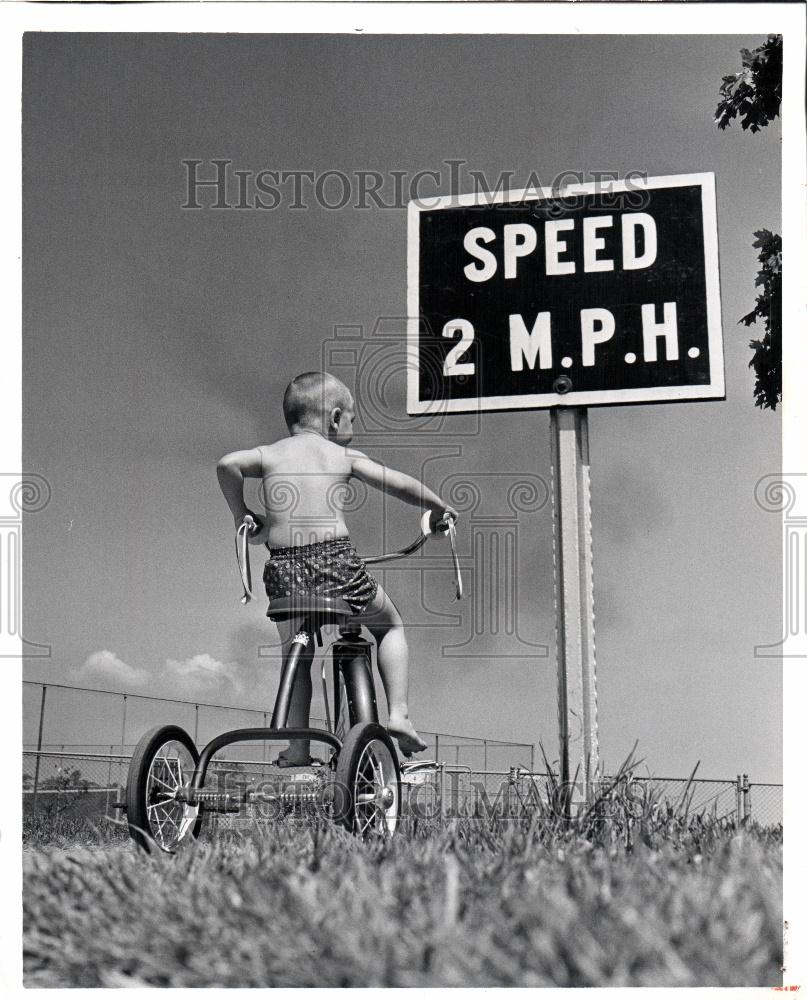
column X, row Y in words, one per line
column 311, row 396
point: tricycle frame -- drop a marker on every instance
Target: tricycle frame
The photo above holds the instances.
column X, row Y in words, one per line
column 351, row 659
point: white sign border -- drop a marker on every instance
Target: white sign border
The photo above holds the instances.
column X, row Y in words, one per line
column 714, row 390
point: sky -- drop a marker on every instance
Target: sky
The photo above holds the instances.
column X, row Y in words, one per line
column 157, row 338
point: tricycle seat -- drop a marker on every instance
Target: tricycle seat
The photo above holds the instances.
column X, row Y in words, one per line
column 319, row 610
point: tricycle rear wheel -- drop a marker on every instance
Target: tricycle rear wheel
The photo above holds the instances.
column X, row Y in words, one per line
column 160, row 770
column 367, row 792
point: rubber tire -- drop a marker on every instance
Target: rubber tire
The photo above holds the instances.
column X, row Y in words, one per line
column 142, row 758
column 347, row 764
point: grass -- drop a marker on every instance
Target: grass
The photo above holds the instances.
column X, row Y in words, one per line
column 49, row 831
column 664, row 898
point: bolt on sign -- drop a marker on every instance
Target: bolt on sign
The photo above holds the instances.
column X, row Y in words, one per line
column 594, row 294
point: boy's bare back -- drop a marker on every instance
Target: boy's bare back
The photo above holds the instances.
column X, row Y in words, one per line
column 304, row 486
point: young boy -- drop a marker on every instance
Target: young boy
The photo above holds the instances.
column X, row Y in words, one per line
column 305, row 479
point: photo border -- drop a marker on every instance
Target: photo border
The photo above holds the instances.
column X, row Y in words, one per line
column 577, row 19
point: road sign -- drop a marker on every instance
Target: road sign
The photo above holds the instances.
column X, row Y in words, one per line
column 596, row 294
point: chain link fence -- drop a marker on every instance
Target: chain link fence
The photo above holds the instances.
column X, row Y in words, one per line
column 55, row 718
column 64, row 784
column 467, row 792
column 66, row 775
column 764, row 804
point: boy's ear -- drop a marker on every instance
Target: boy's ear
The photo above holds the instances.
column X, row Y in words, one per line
column 336, row 414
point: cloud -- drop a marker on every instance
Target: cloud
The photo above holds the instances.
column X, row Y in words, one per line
column 109, row 667
column 202, row 676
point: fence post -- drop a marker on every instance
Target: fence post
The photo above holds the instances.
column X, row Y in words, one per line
column 512, row 790
column 485, row 754
column 437, row 746
column 38, row 748
column 108, row 782
column 123, row 729
column 738, row 793
column 532, row 758
column 196, row 725
column 746, row 799
column 122, row 744
column 442, row 792
column 264, row 742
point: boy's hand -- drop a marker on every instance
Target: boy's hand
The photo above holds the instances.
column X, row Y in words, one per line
column 439, row 520
column 256, row 527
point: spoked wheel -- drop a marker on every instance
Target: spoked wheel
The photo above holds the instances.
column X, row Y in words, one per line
column 367, row 793
column 161, row 767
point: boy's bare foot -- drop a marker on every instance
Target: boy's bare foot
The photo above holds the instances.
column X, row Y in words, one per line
column 406, row 735
column 291, row 758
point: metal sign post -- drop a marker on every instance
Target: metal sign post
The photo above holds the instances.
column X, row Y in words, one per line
column 574, row 600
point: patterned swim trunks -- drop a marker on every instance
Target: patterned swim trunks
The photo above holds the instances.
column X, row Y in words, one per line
column 329, row 569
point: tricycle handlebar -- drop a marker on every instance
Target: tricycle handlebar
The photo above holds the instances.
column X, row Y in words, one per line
column 420, row 541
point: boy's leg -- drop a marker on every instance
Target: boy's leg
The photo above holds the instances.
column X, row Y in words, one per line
column 384, row 622
column 299, row 751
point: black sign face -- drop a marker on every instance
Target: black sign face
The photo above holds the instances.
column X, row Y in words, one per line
column 587, row 296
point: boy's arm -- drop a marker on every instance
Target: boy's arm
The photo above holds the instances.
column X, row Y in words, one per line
column 231, row 472
column 398, row 484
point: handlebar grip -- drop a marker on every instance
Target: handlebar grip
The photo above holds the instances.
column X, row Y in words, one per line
column 426, row 526
column 242, row 556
